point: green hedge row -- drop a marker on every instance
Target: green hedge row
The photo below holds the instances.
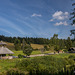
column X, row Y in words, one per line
column 47, row 65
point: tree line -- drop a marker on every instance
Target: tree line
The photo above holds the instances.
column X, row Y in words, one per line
column 54, row 41
column 27, row 39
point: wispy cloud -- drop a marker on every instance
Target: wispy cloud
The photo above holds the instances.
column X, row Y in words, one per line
column 6, row 31
column 34, row 14
column 61, row 23
column 12, row 25
column 25, row 23
column 51, row 20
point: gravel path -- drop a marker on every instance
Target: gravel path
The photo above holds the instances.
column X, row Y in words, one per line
column 42, row 54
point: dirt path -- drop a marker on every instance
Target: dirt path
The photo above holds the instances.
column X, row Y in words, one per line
column 42, row 54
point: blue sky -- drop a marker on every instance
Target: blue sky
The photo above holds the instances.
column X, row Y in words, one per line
column 35, row 18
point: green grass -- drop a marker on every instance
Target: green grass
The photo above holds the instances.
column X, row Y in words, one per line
column 16, row 53
column 63, row 55
column 7, row 64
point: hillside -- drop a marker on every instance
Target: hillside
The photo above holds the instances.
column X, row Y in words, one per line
column 34, row 46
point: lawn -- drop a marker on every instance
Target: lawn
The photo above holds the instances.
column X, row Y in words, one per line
column 16, row 53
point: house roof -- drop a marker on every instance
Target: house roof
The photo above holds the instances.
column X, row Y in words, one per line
column 73, row 48
column 4, row 50
column 2, row 43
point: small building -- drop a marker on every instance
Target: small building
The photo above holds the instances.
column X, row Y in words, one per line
column 4, row 50
column 71, row 50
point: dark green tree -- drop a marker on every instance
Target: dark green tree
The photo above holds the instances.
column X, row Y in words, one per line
column 17, row 44
column 73, row 32
column 62, row 44
column 45, row 47
column 73, row 20
column 68, row 43
column 27, row 50
column 54, row 39
column 56, row 47
column 73, row 15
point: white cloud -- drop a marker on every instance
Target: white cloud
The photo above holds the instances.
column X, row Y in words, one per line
column 59, row 15
column 73, row 24
column 34, row 14
column 51, row 20
column 57, row 24
column 61, row 23
column 65, row 23
column 66, row 13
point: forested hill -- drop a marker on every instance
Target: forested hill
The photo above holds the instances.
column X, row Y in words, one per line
column 52, row 41
column 27, row 39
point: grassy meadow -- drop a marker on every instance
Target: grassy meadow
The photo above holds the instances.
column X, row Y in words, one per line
column 36, row 47
column 16, row 53
column 10, row 63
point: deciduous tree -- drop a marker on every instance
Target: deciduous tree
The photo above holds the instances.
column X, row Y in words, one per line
column 27, row 50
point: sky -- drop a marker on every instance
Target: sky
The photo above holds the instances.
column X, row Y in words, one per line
column 36, row 18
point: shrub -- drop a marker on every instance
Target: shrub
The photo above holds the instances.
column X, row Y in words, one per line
column 43, row 65
column 14, row 72
column 71, row 57
column 20, row 56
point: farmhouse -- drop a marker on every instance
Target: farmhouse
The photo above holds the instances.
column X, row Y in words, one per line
column 72, row 50
column 4, row 50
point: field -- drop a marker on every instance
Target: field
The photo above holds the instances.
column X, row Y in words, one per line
column 37, row 46
column 7, row 64
column 34, row 46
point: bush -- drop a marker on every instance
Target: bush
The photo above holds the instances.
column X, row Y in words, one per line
column 36, row 49
column 71, row 57
column 43, row 65
column 20, row 56
column 65, row 50
column 14, row 72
